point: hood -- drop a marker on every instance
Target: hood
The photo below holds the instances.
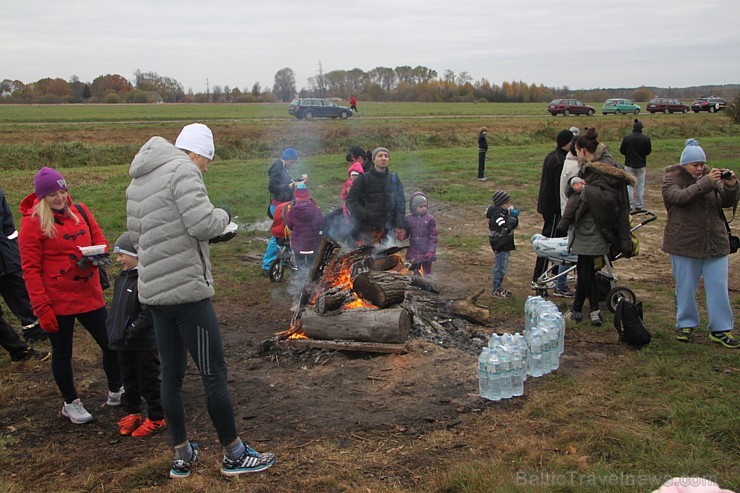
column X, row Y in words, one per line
column 156, row 152
column 602, row 155
column 29, row 202
column 356, row 166
column 611, row 170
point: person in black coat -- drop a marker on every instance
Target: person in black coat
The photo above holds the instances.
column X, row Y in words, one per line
column 635, row 148
column 377, row 202
column 548, row 204
column 12, row 286
column 131, row 333
column 482, row 150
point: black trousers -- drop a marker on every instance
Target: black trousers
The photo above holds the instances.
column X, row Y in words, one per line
column 550, row 229
column 586, row 287
column 10, row 341
column 481, row 165
column 140, row 372
column 13, row 291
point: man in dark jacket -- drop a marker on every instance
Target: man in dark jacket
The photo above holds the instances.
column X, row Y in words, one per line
column 281, row 187
column 635, row 148
column 12, row 286
column 376, row 201
column 548, row 204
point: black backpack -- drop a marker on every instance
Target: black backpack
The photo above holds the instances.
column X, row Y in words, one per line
column 629, row 324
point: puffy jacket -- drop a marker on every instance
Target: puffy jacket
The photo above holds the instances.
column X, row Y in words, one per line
column 501, row 226
column 422, row 234
column 376, row 201
column 635, row 148
column 171, row 219
column 129, row 323
column 305, row 222
column 50, row 268
column 279, row 183
column 356, row 167
column 278, row 221
column 10, row 256
column 695, row 227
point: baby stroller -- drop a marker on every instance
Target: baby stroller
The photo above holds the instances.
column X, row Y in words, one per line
column 285, row 259
column 556, row 251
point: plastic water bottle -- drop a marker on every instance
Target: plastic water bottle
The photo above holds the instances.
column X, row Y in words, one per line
column 483, row 372
column 535, row 353
column 494, row 340
column 494, row 377
column 505, row 358
column 521, row 345
column 517, row 374
column 530, row 311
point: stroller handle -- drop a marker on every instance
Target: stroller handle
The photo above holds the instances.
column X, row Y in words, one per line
column 647, row 217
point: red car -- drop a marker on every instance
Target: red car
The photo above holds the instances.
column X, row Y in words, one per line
column 569, row 107
column 666, row 105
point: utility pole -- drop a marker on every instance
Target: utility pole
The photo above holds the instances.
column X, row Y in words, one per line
column 322, row 92
column 208, row 91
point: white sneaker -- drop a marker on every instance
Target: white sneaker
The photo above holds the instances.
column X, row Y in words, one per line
column 76, row 412
column 114, row 398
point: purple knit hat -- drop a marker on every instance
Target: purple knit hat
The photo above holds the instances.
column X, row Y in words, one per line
column 48, row 181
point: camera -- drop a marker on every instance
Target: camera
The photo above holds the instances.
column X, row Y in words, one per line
column 726, row 174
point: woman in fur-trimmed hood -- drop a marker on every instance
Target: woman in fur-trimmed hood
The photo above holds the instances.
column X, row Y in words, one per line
column 597, row 214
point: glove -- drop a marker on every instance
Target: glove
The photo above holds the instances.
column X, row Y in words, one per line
column 514, row 212
column 228, row 211
column 222, row 238
column 100, row 260
column 48, row 321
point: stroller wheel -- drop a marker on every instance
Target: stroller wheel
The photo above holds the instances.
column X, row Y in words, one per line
column 276, row 271
column 618, row 292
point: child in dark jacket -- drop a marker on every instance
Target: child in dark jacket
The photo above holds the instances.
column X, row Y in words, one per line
column 305, row 222
column 421, row 230
column 502, row 220
column 131, row 334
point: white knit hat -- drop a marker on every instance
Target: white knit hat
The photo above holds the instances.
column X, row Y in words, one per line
column 196, row 138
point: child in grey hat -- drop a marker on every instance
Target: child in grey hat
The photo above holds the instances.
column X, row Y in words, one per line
column 502, row 221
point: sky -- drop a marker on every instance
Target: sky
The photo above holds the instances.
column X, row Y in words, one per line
column 235, row 43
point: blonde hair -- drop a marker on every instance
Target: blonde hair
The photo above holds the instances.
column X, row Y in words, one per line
column 46, row 217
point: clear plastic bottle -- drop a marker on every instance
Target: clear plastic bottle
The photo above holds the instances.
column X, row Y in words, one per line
column 517, row 374
column 494, row 377
column 494, row 340
column 521, row 345
column 535, row 353
column 483, row 372
column 506, row 387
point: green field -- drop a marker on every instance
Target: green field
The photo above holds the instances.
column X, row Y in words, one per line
column 667, row 410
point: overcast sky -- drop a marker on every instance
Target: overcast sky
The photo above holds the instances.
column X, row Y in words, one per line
column 235, row 43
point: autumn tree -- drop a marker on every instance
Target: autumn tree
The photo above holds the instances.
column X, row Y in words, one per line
column 642, row 94
column 105, row 84
column 284, row 87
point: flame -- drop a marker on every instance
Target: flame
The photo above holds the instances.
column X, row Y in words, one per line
column 295, row 331
column 357, row 303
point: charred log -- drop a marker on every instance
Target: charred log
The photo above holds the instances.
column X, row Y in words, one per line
column 382, row 289
column 391, row 325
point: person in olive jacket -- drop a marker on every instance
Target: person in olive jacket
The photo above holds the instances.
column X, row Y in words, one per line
column 635, row 148
column 696, row 239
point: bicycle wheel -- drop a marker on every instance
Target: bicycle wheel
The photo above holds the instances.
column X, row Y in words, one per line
column 276, row 271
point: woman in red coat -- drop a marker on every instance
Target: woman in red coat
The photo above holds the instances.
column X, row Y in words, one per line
column 64, row 286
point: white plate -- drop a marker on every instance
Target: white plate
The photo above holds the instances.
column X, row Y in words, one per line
column 232, row 226
column 92, row 250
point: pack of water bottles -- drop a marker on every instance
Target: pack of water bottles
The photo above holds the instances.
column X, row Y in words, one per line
column 507, row 360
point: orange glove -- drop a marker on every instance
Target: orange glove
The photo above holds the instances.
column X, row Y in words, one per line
column 48, row 320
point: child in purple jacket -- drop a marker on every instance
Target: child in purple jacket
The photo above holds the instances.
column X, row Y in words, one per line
column 421, row 230
column 305, row 222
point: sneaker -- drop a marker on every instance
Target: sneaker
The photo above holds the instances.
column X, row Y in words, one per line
column 482, row 179
column 502, row 294
column 537, row 286
column 724, row 338
column 76, row 412
column 563, row 293
column 129, row 423
column 114, row 398
column 250, row 461
column 574, row 316
column 181, row 468
column 595, row 317
column 31, row 353
column 148, row 427
column 684, row 334
column 33, row 333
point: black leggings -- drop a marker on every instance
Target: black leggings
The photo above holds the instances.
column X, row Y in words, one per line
column 586, row 286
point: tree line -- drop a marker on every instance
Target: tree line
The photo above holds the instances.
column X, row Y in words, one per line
column 403, row 83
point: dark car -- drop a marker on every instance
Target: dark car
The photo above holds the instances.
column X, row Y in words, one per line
column 310, row 108
column 569, row 107
column 710, row 104
column 666, row 105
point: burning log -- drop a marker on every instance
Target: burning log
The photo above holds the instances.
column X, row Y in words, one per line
column 391, row 325
column 382, row 289
column 332, row 300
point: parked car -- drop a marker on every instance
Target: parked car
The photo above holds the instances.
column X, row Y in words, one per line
column 310, row 108
column 710, row 104
column 666, row 105
column 620, row 106
column 569, row 107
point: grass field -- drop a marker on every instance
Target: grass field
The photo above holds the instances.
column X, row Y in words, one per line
column 667, row 410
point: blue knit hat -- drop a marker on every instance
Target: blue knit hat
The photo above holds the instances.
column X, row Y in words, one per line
column 692, row 153
column 290, row 154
